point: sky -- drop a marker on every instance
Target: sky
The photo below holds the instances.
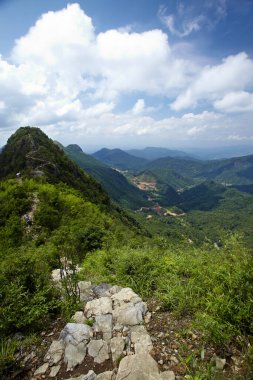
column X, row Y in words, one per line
column 132, row 73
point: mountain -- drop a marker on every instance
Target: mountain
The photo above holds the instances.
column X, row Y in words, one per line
column 116, row 185
column 153, row 153
column 233, row 171
column 119, row 159
column 221, row 152
column 32, row 153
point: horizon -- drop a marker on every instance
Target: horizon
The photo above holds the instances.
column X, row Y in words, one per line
column 173, row 74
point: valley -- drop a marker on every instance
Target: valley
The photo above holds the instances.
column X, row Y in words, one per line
column 168, row 229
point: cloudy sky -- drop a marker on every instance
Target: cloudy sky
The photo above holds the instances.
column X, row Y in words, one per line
column 128, row 73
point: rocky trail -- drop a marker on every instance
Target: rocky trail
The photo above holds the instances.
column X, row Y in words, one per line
column 115, row 337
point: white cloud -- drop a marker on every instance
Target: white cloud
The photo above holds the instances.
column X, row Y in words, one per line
column 67, row 79
column 240, row 101
column 139, row 107
column 234, row 73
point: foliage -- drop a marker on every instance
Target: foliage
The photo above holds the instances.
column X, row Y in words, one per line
column 214, row 286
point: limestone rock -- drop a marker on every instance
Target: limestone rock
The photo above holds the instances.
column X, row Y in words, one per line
column 102, row 290
column 55, row 352
column 75, row 337
column 41, row 370
column 220, row 363
column 75, row 354
column 89, row 376
column 79, row 317
column 104, row 324
column 105, row 375
column 141, row 339
column 129, row 313
column 75, row 333
column 54, row 370
column 138, row 367
column 98, row 349
column 98, row 306
column 125, row 295
column 167, row 375
column 117, row 347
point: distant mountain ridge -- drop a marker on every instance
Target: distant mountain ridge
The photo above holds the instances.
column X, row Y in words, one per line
column 119, row 159
column 117, row 186
column 153, row 153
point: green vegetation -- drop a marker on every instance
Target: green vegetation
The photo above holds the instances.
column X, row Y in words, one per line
column 214, row 286
column 116, row 185
column 119, row 159
column 197, row 263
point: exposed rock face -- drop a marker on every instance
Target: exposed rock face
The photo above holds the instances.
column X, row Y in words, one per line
column 117, row 332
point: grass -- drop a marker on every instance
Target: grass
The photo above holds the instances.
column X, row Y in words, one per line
column 214, row 287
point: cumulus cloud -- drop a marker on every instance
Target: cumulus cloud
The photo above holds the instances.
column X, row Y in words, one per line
column 240, row 101
column 66, row 78
column 234, row 73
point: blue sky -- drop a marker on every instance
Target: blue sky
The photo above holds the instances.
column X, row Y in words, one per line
column 128, row 73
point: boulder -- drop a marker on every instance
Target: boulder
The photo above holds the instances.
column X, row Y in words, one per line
column 129, row 313
column 138, row 367
column 79, row 317
column 125, row 295
column 54, row 370
column 141, row 339
column 104, row 324
column 98, row 306
column 89, row 376
column 41, row 370
column 86, row 293
column 117, row 347
column 167, row 375
column 98, row 349
column 105, row 375
column 55, row 352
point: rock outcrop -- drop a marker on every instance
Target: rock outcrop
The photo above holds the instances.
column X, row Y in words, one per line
column 109, row 332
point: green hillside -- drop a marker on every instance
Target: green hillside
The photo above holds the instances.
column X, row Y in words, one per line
column 119, row 159
column 153, row 153
column 30, row 152
column 116, row 185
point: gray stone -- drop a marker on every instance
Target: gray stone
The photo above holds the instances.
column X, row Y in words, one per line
column 141, row 339
column 129, row 313
column 54, row 370
column 98, row 349
column 105, row 375
column 117, row 347
column 79, row 317
column 220, row 363
column 104, row 324
column 115, row 289
column 98, row 306
column 75, row 333
column 138, row 367
column 55, row 352
column 41, row 370
column 75, row 337
column 102, row 290
column 167, row 375
column 89, row 376
column 75, row 354
column 125, row 295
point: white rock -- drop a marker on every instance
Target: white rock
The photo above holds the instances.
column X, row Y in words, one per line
column 141, row 339
column 105, row 375
column 129, row 313
column 125, row 295
column 104, row 324
column 138, row 367
column 117, row 347
column 89, row 376
column 98, row 306
column 41, row 370
column 75, row 333
column 75, row 354
column 167, row 375
column 79, row 317
column 55, row 352
column 54, row 370
column 220, row 363
column 98, row 349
